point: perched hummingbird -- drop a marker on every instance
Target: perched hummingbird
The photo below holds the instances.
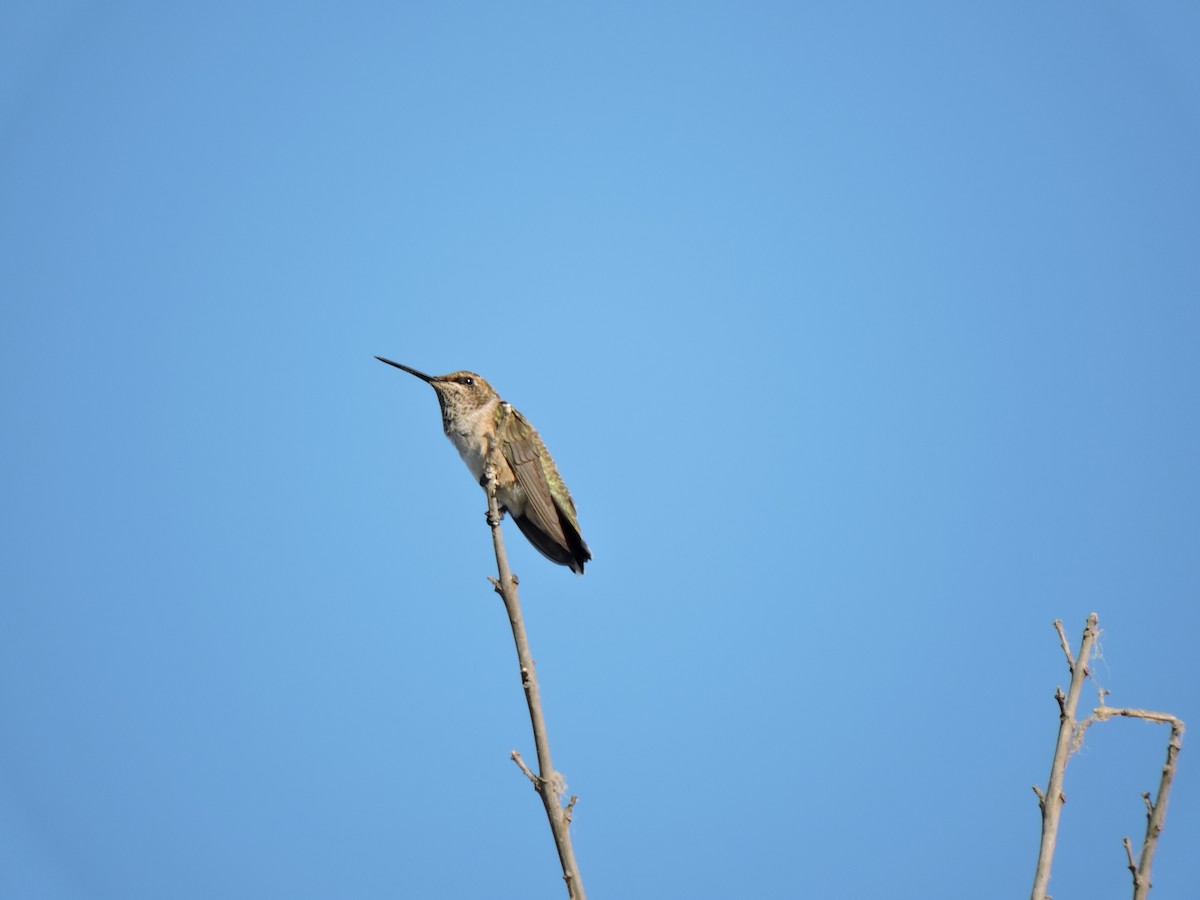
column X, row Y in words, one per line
column 528, row 485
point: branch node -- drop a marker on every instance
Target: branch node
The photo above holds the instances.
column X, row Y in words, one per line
column 570, row 810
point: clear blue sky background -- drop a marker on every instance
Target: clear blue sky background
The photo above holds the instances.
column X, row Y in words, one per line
column 865, row 334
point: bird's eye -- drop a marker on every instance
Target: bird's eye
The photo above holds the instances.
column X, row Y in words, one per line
column 468, row 381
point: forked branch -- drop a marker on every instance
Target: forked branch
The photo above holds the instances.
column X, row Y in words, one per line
column 1070, row 737
column 1053, row 799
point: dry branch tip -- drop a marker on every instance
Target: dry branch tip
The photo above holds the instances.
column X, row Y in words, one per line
column 1066, row 646
column 516, row 757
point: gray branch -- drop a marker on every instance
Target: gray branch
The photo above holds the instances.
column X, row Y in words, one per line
column 548, row 783
column 1156, row 812
column 1070, row 737
column 1053, row 799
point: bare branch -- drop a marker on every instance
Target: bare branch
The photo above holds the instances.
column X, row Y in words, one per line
column 1156, row 810
column 1066, row 646
column 516, row 757
column 1109, row 712
column 547, row 780
column 1054, row 798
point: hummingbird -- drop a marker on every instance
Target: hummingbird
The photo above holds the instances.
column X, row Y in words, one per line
column 528, row 486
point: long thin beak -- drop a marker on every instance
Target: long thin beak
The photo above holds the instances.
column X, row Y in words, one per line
column 426, row 378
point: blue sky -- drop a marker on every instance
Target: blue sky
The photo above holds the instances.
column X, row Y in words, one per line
column 864, row 334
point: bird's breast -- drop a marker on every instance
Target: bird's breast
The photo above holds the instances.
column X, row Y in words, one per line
column 472, row 447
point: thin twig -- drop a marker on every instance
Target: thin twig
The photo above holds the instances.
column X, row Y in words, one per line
column 547, row 782
column 516, row 757
column 1052, row 801
column 1110, row 712
column 1066, row 646
column 1156, row 812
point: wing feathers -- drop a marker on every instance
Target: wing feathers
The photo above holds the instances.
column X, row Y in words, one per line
column 549, row 517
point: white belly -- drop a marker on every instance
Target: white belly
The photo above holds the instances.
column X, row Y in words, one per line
column 473, row 448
